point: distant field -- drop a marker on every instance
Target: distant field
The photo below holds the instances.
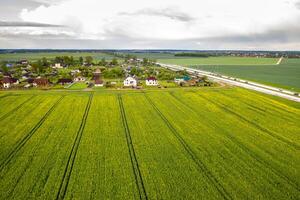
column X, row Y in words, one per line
column 286, row 75
column 228, row 60
column 36, row 56
column 214, row 143
column 262, row 70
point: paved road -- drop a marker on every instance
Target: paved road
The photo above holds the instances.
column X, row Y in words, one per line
column 238, row 82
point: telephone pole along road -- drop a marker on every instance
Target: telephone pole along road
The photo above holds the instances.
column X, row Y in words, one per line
column 238, row 82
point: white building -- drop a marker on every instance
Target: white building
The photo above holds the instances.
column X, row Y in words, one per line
column 79, row 79
column 151, row 81
column 130, row 82
column 57, row 66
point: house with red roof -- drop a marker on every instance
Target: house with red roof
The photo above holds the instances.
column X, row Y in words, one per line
column 151, row 81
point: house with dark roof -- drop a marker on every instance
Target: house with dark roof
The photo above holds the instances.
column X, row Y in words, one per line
column 41, row 82
column 97, row 78
column 64, row 81
column 8, row 81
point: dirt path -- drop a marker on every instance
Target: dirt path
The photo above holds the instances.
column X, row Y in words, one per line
column 279, row 61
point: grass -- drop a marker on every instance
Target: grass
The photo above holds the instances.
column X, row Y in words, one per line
column 226, row 60
column 207, row 143
column 78, row 86
column 286, row 75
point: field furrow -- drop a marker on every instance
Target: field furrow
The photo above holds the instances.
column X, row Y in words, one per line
column 290, row 137
column 36, row 170
column 17, row 126
column 167, row 168
column 221, row 155
column 14, row 109
column 24, row 140
column 265, row 161
column 207, row 143
column 68, row 171
column 132, row 154
column 203, row 168
column 102, row 168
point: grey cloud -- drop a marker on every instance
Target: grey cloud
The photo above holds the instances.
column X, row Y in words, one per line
column 287, row 33
column 167, row 12
column 26, row 24
column 297, row 4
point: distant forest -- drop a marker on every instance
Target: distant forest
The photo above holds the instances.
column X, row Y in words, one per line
column 199, row 55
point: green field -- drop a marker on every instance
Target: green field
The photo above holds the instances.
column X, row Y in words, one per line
column 214, row 143
column 286, row 75
column 35, row 56
column 226, row 60
column 78, row 86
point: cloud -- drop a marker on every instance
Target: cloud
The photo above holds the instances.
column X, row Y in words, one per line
column 156, row 23
column 297, row 4
column 171, row 13
column 26, row 24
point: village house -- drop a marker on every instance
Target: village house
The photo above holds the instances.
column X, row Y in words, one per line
column 64, row 81
column 151, row 81
column 23, row 62
column 97, row 78
column 57, row 66
column 180, row 80
column 79, row 79
column 130, row 82
column 41, row 82
column 98, row 83
column 8, row 81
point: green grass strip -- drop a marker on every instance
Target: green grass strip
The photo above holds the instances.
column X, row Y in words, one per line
column 191, row 153
column 69, row 167
column 132, row 154
column 22, row 142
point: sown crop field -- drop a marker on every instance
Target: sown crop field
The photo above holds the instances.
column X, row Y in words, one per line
column 214, row 143
column 78, row 86
column 286, row 75
column 35, row 56
column 222, row 60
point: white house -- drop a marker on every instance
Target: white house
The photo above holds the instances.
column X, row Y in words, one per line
column 57, row 66
column 130, row 82
column 79, row 79
column 151, row 81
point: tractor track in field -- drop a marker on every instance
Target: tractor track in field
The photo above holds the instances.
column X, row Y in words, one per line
column 132, row 154
column 201, row 166
column 258, row 127
column 71, row 160
column 251, row 153
column 22, row 142
column 17, row 108
column 275, row 107
column 6, row 95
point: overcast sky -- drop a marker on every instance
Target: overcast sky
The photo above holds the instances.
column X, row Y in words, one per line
column 151, row 24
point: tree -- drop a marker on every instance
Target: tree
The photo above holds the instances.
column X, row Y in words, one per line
column 80, row 60
column 44, row 62
column 4, row 68
column 89, row 60
column 103, row 62
column 114, row 61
